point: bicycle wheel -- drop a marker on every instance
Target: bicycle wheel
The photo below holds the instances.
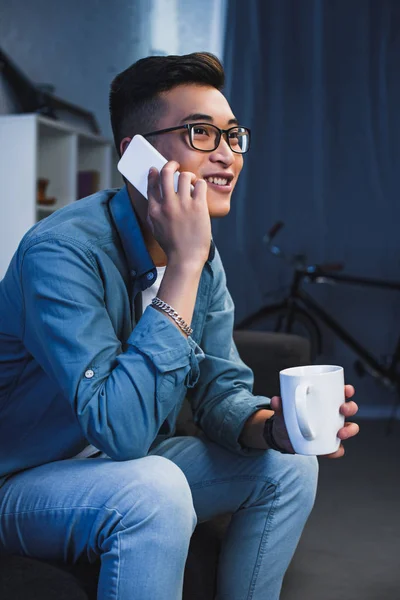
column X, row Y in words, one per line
column 274, row 319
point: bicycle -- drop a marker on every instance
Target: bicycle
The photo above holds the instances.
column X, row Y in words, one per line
column 300, row 313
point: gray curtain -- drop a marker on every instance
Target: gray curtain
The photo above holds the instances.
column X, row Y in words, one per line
column 318, row 82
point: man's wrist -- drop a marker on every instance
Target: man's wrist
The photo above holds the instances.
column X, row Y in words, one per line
column 186, row 266
column 270, row 438
column 252, row 433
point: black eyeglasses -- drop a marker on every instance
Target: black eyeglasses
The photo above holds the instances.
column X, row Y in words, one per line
column 206, row 137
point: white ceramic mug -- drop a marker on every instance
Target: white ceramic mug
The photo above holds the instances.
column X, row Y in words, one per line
column 311, row 398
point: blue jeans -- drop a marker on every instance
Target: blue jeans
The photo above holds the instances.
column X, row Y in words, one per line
column 138, row 516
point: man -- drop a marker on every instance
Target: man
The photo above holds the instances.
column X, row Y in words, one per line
column 90, row 389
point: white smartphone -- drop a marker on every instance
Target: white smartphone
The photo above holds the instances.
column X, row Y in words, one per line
column 137, row 160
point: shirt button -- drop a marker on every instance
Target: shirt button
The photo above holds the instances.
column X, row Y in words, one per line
column 133, row 273
column 89, row 374
column 150, row 276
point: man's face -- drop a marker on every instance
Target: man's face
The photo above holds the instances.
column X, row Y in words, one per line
column 182, row 104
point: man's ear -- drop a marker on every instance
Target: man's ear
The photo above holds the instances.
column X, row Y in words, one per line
column 124, row 144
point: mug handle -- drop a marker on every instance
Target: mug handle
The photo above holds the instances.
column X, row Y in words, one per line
column 300, row 401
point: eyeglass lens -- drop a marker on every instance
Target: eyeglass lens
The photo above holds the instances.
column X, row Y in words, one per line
column 207, row 137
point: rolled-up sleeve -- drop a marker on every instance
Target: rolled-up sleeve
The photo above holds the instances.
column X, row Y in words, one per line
column 222, row 400
column 121, row 398
column 170, row 350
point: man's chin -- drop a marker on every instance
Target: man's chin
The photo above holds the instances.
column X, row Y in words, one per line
column 219, row 208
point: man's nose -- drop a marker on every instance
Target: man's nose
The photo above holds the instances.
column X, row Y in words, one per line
column 223, row 152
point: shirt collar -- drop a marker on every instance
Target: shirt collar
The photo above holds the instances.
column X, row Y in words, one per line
column 139, row 260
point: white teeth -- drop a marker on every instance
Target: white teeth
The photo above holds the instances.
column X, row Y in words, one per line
column 217, row 180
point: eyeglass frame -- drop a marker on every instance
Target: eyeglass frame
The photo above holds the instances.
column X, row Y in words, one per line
column 189, row 127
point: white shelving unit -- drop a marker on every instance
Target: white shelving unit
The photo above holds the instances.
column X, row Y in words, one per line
column 34, row 147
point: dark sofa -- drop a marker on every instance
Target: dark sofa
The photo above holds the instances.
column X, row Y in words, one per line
column 24, row 578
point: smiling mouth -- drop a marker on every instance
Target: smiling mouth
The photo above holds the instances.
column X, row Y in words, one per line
column 221, row 181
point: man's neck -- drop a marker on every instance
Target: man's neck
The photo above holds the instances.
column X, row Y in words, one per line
column 157, row 254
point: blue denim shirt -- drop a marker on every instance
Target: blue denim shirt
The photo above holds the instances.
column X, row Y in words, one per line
column 76, row 367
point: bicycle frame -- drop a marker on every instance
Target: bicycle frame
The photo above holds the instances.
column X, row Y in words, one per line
column 299, row 302
column 298, row 294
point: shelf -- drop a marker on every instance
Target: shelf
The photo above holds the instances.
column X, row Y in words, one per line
column 48, row 209
column 57, row 163
column 51, row 150
column 52, row 125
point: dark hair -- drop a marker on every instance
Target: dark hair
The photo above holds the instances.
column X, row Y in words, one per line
column 135, row 104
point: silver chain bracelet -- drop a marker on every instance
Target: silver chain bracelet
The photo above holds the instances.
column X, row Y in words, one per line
column 173, row 314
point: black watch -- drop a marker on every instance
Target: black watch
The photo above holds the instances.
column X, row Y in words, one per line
column 269, row 436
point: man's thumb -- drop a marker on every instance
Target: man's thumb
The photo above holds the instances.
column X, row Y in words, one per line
column 276, row 403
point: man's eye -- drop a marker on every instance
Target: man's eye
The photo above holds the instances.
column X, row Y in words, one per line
column 200, row 131
column 234, row 137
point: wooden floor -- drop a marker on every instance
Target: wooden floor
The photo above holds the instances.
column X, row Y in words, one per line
column 350, row 548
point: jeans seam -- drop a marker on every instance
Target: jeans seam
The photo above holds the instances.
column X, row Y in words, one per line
column 63, row 508
column 234, row 478
column 264, row 541
column 118, row 564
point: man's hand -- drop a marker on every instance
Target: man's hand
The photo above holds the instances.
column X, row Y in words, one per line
column 180, row 221
column 348, row 409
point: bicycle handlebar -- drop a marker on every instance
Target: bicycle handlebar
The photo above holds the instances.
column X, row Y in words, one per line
column 297, row 260
column 274, row 230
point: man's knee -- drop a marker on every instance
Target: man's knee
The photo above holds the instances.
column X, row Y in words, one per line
column 153, row 491
column 168, row 489
column 292, row 478
column 299, row 480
